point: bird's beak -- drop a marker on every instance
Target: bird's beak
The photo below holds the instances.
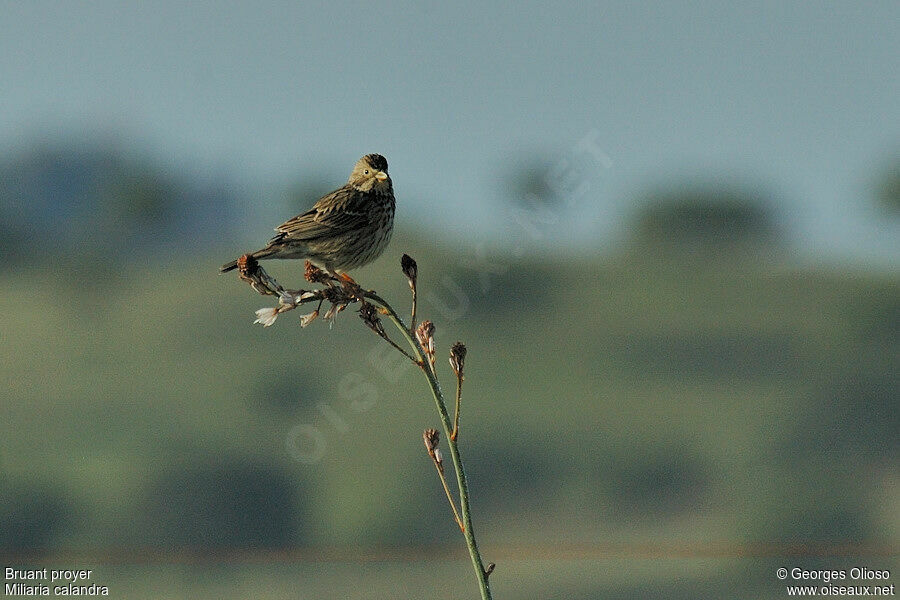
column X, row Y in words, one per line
column 381, row 176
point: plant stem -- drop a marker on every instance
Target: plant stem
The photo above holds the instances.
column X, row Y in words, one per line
column 455, row 433
column 398, row 323
column 412, row 319
column 449, row 495
column 463, row 487
column 480, row 573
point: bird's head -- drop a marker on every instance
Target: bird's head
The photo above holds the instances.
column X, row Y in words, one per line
column 370, row 172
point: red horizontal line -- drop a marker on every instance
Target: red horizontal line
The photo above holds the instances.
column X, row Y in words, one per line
column 523, row 552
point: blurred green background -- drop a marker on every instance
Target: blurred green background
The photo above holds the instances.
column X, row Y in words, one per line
column 682, row 371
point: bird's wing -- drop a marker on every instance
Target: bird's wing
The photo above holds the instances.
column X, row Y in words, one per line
column 338, row 212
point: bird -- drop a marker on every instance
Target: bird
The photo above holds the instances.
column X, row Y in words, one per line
column 345, row 229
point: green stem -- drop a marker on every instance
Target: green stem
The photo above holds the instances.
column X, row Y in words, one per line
column 440, row 472
column 459, row 381
column 412, row 319
column 435, row 386
column 398, row 322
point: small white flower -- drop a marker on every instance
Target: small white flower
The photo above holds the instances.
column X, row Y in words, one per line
column 331, row 313
column 266, row 316
column 308, row 318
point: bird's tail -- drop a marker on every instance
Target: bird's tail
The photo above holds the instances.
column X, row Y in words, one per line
column 228, row 267
column 258, row 254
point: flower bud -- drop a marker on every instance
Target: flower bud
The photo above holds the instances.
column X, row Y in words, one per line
column 458, row 358
column 369, row 314
column 432, row 438
column 314, row 274
column 425, row 335
column 410, row 269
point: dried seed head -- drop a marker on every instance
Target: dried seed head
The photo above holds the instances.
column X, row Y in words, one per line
column 410, row 269
column 314, row 274
column 250, row 271
column 432, row 439
column 369, row 314
column 458, row 358
column 425, row 335
column 247, row 265
column 336, row 295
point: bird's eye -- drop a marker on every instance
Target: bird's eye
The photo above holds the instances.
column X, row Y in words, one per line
column 367, row 171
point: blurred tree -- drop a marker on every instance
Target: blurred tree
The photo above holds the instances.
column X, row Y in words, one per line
column 226, row 503
column 889, row 190
column 705, row 217
column 718, row 353
column 302, row 194
column 500, row 287
column 12, row 244
column 87, row 196
column 656, row 479
column 421, row 517
column 816, row 501
column 528, row 182
column 46, row 190
column 285, row 390
column 875, row 314
column 516, row 474
column 139, row 195
column 32, row 516
column 853, row 412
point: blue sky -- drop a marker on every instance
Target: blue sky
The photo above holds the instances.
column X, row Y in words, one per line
column 799, row 98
